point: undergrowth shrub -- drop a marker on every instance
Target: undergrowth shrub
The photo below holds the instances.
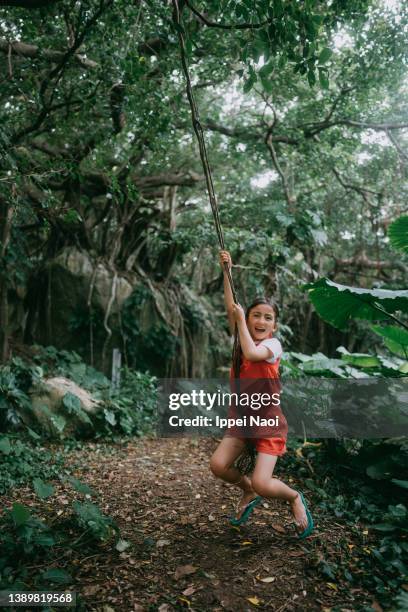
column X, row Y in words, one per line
column 22, row 460
column 126, row 410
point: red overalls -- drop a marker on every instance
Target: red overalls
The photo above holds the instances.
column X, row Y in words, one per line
column 262, row 370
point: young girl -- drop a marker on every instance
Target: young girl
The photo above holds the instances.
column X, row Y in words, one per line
column 260, row 359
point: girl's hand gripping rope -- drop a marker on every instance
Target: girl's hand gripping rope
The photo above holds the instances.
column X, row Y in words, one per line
column 238, row 312
column 225, row 258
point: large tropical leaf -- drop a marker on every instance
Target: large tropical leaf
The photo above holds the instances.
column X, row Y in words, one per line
column 395, row 338
column 398, row 233
column 337, row 304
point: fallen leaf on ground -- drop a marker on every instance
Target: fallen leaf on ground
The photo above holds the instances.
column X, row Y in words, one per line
column 279, row 528
column 254, row 601
column 267, row 579
column 332, row 586
column 296, row 553
column 184, row 570
column 122, row 545
column 90, row 590
column 161, row 543
column 189, row 591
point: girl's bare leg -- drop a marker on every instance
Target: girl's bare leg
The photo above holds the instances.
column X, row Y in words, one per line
column 228, row 450
column 266, row 486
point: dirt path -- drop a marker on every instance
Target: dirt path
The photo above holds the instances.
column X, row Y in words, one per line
column 183, row 553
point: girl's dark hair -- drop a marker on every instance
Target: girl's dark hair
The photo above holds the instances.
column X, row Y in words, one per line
column 246, row 462
column 263, row 300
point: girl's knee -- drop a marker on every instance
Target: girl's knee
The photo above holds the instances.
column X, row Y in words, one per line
column 217, row 467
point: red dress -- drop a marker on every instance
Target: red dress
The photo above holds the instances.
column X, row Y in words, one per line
column 267, row 375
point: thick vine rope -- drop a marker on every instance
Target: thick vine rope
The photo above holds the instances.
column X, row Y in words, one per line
column 247, row 460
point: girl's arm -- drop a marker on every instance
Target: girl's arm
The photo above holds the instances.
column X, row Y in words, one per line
column 225, row 257
column 251, row 351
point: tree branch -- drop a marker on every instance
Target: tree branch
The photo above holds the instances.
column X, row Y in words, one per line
column 402, row 154
column 311, row 129
column 290, row 198
column 245, row 134
column 57, row 73
column 28, row 4
column 225, row 26
column 23, row 49
column 363, row 261
column 363, row 191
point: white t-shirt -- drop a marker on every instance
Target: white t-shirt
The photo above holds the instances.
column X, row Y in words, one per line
column 271, row 343
column 275, row 346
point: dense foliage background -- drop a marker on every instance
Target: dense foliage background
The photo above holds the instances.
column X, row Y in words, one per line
column 107, row 235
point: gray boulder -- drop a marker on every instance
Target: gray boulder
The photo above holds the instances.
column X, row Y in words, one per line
column 62, row 408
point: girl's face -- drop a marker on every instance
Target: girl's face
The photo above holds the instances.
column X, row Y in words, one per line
column 261, row 322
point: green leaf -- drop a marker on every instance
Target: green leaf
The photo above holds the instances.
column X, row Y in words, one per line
column 404, row 368
column 43, row 489
column 57, row 420
column 179, row 28
column 278, row 8
column 323, row 79
column 319, row 236
column 110, row 417
column 361, row 360
column 44, row 539
column 266, row 69
column 392, row 332
column 398, row 233
column 400, row 483
column 311, row 77
column 249, row 83
column 20, row 514
column 73, row 404
column 5, row 446
column 384, row 527
column 337, row 304
column 395, row 338
column 189, row 47
column 57, row 576
column 325, row 55
column 79, row 486
column 267, row 85
column 33, row 434
column 380, row 471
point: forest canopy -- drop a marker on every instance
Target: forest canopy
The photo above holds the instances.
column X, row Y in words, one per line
column 106, row 229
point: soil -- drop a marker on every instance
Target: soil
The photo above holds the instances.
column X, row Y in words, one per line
column 181, row 551
column 185, row 554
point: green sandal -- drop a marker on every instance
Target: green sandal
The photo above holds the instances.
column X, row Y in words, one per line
column 310, row 524
column 245, row 513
